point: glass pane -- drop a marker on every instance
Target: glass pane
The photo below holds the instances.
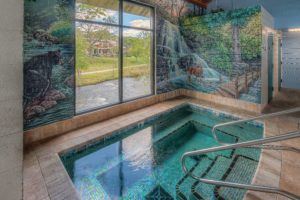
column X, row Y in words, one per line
column 137, row 16
column 97, row 66
column 98, row 10
column 137, row 63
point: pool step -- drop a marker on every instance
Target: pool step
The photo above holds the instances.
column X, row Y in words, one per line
column 244, row 131
column 166, row 145
column 240, row 130
column 250, row 153
column 215, row 171
column 224, row 136
column 176, row 118
column 238, row 168
column 223, row 165
column 165, row 131
column 242, row 170
column 183, row 187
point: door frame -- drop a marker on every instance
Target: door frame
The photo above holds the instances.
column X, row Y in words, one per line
column 270, row 67
column 279, row 63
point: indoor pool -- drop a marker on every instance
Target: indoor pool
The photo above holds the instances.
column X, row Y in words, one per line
column 143, row 161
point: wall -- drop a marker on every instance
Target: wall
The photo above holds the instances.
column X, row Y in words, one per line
column 268, row 29
column 268, row 25
column 291, row 57
column 48, row 62
column 214, row 60
column 224, row 54
column 11, row 76
column 49, row 88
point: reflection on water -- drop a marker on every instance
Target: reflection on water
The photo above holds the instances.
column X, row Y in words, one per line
column 129, row 161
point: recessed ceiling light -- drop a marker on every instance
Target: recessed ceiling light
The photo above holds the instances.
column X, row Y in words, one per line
column 294, row 30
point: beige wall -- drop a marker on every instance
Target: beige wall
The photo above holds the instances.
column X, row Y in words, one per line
column 268, row 24
column 11, row 87
column 291, row 61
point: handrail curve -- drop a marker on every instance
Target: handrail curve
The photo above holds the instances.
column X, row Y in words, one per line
column 288, row 136
column 265, row 116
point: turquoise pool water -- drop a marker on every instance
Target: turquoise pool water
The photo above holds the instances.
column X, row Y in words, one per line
column 143, row 161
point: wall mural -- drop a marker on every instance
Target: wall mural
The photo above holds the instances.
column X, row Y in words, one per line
column 170, row 44
column 217, row 53
column 48, row 61
column 49, row 49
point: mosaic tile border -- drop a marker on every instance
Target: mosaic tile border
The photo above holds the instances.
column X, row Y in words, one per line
column 134, row 127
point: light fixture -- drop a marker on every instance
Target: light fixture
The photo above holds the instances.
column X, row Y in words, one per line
column 294, row 30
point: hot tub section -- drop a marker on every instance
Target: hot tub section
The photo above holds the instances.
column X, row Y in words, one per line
column 143, row 161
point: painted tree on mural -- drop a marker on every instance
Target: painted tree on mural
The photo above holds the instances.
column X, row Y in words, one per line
column 239, row 18
column 230, row 43
column 178, row 7
column 225, row 38
column 175, row 8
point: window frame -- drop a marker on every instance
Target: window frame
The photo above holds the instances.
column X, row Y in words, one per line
column 121, row 27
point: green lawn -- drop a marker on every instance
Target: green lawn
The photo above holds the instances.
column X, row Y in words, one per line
column 102, row 63
column 100, row 69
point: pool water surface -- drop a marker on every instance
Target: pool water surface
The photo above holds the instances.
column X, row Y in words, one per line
column 143, row 161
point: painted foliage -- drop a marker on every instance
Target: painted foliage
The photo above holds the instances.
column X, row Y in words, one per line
column 170, row 44
column 218, row 53
column 229, row 43
column 48, row 61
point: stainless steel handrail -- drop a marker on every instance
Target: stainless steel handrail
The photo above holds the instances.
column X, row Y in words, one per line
column 214, row 129
column 258, row 188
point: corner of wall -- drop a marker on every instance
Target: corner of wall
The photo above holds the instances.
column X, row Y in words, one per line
column 11, row 98
column 267, row 28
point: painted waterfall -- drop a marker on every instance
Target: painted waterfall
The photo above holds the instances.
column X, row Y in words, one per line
column 218, row 53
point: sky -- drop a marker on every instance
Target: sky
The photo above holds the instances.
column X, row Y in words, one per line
column 128, row 20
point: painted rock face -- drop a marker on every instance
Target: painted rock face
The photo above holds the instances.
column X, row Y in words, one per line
column 37, row 74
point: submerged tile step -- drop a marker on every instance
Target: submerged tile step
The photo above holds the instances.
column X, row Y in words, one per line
column 183, row 187
column 215, row 171
column 242, row 171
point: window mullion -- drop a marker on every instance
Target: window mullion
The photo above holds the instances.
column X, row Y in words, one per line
column 121, row 51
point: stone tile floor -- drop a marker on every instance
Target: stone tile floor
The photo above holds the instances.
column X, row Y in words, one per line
column 45, row 177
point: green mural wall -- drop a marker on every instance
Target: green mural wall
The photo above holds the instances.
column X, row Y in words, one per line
column 48, row 61
column 216, row 53
column 222, row 55
column 49, row 51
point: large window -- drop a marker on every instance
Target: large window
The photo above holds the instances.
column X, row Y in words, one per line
column 114, row 52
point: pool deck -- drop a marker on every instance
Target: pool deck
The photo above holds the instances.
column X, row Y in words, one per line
column 45, row 177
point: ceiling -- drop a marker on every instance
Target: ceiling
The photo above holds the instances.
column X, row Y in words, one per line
column 285, row 12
